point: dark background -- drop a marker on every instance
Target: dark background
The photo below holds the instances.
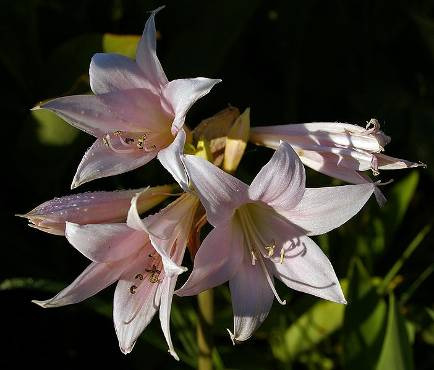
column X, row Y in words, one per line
column 290, row 61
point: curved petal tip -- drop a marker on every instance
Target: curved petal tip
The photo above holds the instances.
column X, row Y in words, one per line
column 232, row 336
column 174, row 355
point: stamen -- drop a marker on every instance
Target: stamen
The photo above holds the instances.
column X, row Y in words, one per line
column 270, row 282
column 258, row 240
column 379, row 183
column 141, row 142
column 133, row 289
column 254, row 258
column 108, row 142
column 374, row 166
column 138, row 276
column 270, row 248
column 153, row 277
column 128, row 140
column 282, row 255
column 136, row 312
column 375, row 125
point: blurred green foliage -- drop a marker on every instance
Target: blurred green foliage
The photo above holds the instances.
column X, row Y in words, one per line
column 289, row 61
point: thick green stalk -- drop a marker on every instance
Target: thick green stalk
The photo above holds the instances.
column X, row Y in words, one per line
column 204, row 324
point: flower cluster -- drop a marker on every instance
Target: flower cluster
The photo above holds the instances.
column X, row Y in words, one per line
column 260, row 231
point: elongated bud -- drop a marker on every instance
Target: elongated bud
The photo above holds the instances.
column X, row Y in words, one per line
column 340, row 150
column 236, row 142
column 92, row 208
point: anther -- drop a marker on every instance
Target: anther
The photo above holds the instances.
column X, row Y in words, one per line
column 105, row 141
column 282, row 255
column 117, row 133
column 270, row 248
column 375, row 125
column 138, row 276
column 254, row 258
column 133, row 289
column 153, row 277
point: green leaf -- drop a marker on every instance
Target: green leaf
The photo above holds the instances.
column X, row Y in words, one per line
column 120, row 44
column 30, row 283
column 405, row 255
column 396, row 351
column 398, row 201
column 52, row 130
column 381, row 225
column 183, row 318
column 311, row 328
column 69, row 62
column 364, row 321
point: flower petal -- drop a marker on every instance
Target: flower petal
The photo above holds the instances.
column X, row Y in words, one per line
column 219, row 192
column 112, row 72
column 105, row 242
column 167, row 288
column 93, row 279
column 86, row 208
column 172, row 160
column 252, row 298
column 217, row 259
column 307, row 269
column 181, row 94
column 100, row 161
column 386, row 162
column 281, row 182
column 320, row 134
column 324, row 209
column 134, row 309
column 333, row 165
column 146, row 55
column 168, row 228
column 126, row 110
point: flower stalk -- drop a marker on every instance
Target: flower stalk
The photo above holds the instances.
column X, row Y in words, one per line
column 205, row 322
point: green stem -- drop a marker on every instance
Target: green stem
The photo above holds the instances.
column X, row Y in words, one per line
column 204, row 325
column 413, row 287
column 407, row 253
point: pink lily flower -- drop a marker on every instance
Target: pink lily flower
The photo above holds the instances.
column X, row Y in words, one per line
column 262, row 232
column 339, row 150
column 92, row 208
column 129, row 255
column 135, row 114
